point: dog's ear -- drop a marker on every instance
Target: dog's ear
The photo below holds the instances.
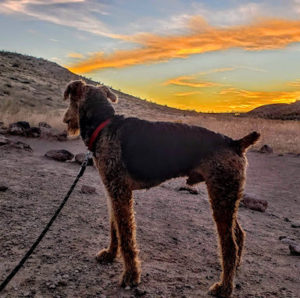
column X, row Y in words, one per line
column 74, row 90
column 112, row 96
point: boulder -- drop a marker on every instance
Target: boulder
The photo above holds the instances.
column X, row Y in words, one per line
column 33, row 132
column 19, row 128
column 265, row 149
column 254, row 204
column 60, row 155
column 79, row 158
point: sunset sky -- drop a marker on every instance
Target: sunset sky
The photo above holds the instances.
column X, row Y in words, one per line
column 210, row 56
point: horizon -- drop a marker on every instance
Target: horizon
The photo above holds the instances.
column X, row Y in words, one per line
column 207, row 56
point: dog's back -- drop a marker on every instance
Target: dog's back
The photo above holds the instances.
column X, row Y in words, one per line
column 164, row 150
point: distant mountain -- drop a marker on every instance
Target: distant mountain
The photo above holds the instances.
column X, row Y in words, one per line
column 281, row 111
column 37, row 85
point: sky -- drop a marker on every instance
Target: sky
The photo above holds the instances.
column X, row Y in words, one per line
column 208, row 56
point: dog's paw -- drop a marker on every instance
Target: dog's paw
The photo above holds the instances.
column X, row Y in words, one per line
column 104, row 256
column 218, row 290
column 130, row 278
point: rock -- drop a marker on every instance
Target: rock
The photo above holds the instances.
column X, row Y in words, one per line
column 60, row 155
column 266, row 149
column 6, row 143
column 3, row 140
column 295, row 225
column 52, row 133
column 44, row 124
column 190, row 189
column 3, row 187
column 254, row 204
column 34, row 132
column 88, row 189
column 139, row 292
column 294, row 249
column 287, row 240
column 63, row 136
column 79, row 158
column 4, row 130
column 21, row 145
column 19, row 128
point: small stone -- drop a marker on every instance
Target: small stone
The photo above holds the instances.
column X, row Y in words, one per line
column 254, row 204
column 294, row 249
column 60, row 155
column 127, row 288
column 238, row 286
column 3, row 140
column 21, row 145
column 289, row 241
column 190, row 189
column 44, row 124
column 3, row 187
column 265, row 149
column 88, row 189
column 286, row 219
column 139, row 292
column 63, row 136
column 295, row 225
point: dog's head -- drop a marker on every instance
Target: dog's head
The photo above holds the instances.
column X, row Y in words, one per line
column 77, row 92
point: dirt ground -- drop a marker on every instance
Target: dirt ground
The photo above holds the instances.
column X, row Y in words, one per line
column 175, row 231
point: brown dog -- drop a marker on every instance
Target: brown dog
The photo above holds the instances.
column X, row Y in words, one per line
column 131, row 154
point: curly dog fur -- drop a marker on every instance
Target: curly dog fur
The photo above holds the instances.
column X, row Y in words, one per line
column 131, row 154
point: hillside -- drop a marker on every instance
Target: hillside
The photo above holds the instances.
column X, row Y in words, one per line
column 35, row 85
column 281, row 111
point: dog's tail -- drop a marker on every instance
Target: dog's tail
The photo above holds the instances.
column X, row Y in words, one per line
column 242, row 144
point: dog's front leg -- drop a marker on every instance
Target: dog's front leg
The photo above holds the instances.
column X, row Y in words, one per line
column 122, row 208
column 108, row 255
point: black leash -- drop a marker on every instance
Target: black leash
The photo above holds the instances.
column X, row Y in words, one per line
column 35, row 244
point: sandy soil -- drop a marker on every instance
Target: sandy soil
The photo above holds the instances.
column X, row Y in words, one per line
column 175, row 231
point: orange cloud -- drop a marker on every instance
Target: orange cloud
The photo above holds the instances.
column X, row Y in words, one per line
column 187, row 93
column 260, row 97
column 200, row 38
column 189, row 81
column 75, row 55
column 216, row 70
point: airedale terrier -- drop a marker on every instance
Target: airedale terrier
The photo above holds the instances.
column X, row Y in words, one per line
column 131, row 154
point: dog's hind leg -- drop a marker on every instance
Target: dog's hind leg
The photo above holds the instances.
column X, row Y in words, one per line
column 240, row 239
column 108, row 255
column 225, row 184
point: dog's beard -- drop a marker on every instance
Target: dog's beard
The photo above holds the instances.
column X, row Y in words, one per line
column 73, row 129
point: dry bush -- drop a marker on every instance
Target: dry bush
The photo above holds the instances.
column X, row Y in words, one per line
column 54, row 118
column 282, row 136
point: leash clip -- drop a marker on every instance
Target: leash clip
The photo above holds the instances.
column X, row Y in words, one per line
column 84, row 164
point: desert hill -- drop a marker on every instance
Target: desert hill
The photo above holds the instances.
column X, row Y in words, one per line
column 36, row 85
column 281, row 111
column 31, row 89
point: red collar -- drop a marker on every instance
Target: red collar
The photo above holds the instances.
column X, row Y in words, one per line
column 96, row 133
